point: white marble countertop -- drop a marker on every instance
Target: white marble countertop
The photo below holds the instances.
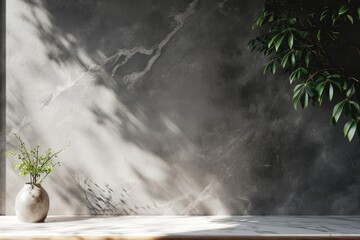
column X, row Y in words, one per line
column 149, row 226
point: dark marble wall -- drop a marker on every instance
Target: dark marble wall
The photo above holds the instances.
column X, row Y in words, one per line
column 167, row 112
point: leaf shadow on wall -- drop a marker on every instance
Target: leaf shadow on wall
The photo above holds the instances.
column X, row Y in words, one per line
column 198, row 101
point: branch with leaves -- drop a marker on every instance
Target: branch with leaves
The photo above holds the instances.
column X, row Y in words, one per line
column 37, row 166
column 296, row 36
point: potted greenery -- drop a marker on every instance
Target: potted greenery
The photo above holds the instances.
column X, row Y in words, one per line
column 32, row 202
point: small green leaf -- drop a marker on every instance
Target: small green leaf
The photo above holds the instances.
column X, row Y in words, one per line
column 318, row 35
column 350, row 92
column 278, row 42
column 297, row 87
column 296, row 103
column 338, row 85
column 291, row 40
column 320, row 99
column 343, row 9
column 298, row 53
column 352, row 131
column 345, row 85
column 251, row 44
column 271, row 19
column 307, row 58
column 347, row 126
column 293, row 58
column 356, row 105
column 267, row 66
column 259, row 20
column 306, row 100
column 296, row 74
column 323, row 14
column 334, row 17
column 350, row 18
column 268, row 51
column 284, row 60
column 272, row 40
column 335, row 76
column 338, row 110
column 273, row 67
column 320, row 88
column 358, row 12
column 309, row 90
column 297, row 94
column 331, row 92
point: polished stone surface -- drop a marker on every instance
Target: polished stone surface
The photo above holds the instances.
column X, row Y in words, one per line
column 144, row 226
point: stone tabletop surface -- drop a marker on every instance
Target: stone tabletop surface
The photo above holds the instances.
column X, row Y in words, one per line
column 136, row 226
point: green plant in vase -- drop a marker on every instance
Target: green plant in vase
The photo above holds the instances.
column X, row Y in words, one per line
column 32, row 202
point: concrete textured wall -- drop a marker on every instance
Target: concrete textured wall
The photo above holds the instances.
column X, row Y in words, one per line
column 166, row 112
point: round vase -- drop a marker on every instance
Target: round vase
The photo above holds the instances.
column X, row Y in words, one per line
column 32, row 203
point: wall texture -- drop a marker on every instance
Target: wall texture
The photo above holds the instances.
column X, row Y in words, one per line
column 2, row 110
column 166, row 112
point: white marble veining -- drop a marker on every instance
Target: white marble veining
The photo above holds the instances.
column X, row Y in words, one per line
column 184, row 226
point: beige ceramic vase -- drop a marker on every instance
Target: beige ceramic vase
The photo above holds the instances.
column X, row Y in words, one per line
column 32, row 203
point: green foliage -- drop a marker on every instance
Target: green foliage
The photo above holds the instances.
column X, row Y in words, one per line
column 295, row 35
column 38, row 166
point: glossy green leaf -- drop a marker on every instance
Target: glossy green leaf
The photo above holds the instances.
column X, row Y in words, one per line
column 350, row 18
column 320, row 99
column 272, row 40
column 323, row 14
column 297, row 94
column 338, row 110
column 350, row 92
column 267, row 65
column 293, row 59
column 296, row 102
column 303, row 71
column 284, row 60
column 352, row 131
column 331, row 92
column 291, row 40
column 343, row 9
column 318, row 35
column 309, row 90
column 273, row 67
column 306, row 100
column 297, row 87
column 355, row 105
column 338, row 85
column 335, row 76
column 334, row 17
column 278, row 42
column 294, row 75
column 347, row 127
column 320, row 88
